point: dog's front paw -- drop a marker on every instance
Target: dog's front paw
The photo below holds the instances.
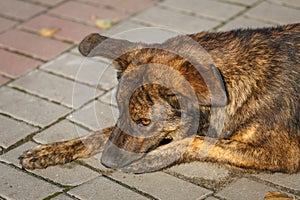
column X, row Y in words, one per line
column 43, row 156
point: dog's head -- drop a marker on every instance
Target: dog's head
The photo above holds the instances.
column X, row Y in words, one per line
column 159, row 94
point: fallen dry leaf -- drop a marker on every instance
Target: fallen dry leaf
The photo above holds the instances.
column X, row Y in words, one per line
column 102, row 23
column 48, row 32
column 278, row 196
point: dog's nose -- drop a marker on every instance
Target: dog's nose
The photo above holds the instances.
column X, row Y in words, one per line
column 116, row 157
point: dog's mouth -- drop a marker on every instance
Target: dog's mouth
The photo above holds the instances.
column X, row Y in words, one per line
column 165, row 141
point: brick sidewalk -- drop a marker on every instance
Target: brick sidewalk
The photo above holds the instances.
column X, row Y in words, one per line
column 46, row 96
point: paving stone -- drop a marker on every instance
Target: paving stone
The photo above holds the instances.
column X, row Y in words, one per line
column 62, row 131
column 244, row 2
column 110, row 97
column 123, row 26
column 70, row 174
column 84, row 13
column 19, row 9
column 46, row 2
column 211, row 198
column 130, row 6
column 201, row 170
column 184, row 23
column 14, row 65
column 43, row 48
column 62, row 197
column 102, row 188
column 162, row 186
column 245, row 188
column 11, row 131
column 207, row 8
column 3, row 80
column 18, row 185
column 11, row 157
column 6, row 24
column 270, row 12
column 144, row 34
column 55, row 88
column 29, row 108
column 94, row 162
column 91, row 71
column 243, row 22
column 293, row 3
column 68, row 30
column 96, row 115
column 291, row 181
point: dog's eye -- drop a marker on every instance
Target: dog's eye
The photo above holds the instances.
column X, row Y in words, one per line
column 145, row 121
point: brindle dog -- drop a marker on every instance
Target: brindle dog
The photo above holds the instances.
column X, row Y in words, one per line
column 254, row 80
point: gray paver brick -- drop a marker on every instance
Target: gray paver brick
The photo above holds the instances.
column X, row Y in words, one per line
column 201, row 170
column 62, row 197
column 29, row 108
column 62, row 131
column 211, row 198
column 110, row 97
column 184, row 23
column 96, row 115
column 91, row 71
column 144, row 34
column 245, row 188
column 18, row 185
column 207, row 8
column 122, row 27
column 11, row 157
column 245, row 2
column 243, row 22
column 102, row 188
column 293, row 3
column 291, row 181
column 94, row 162
column 69, row 174
column 12, row 131
column 162, row 186
column 271, row 12
column 55, row 88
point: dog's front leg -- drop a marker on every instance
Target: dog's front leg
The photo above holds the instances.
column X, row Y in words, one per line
column 63, row 152
column 162, row 157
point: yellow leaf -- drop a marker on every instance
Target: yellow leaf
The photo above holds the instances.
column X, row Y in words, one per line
column 48, row 32
column 103, row 23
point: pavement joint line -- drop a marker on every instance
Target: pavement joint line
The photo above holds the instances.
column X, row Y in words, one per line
column 80, row 125
column 49, row 7
column 284, row 5
column 11, row 50
column 190, row 13
column 73, row 20
column 19, row 120
column 38, row 96
column 132, row 188
column 269, row 183
column 36, row 176
column 69, row 78
column 212, row 185
column 51, row 38
column 261, row 20
column 233, row 3
column 241, row 13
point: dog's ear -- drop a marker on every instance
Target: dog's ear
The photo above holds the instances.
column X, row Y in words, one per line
column 207, row 83
column 114, row 49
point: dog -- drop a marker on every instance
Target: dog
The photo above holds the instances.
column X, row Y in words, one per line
column 227, row 97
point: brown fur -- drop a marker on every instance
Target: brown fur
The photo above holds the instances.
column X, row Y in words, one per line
column 254, row 78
